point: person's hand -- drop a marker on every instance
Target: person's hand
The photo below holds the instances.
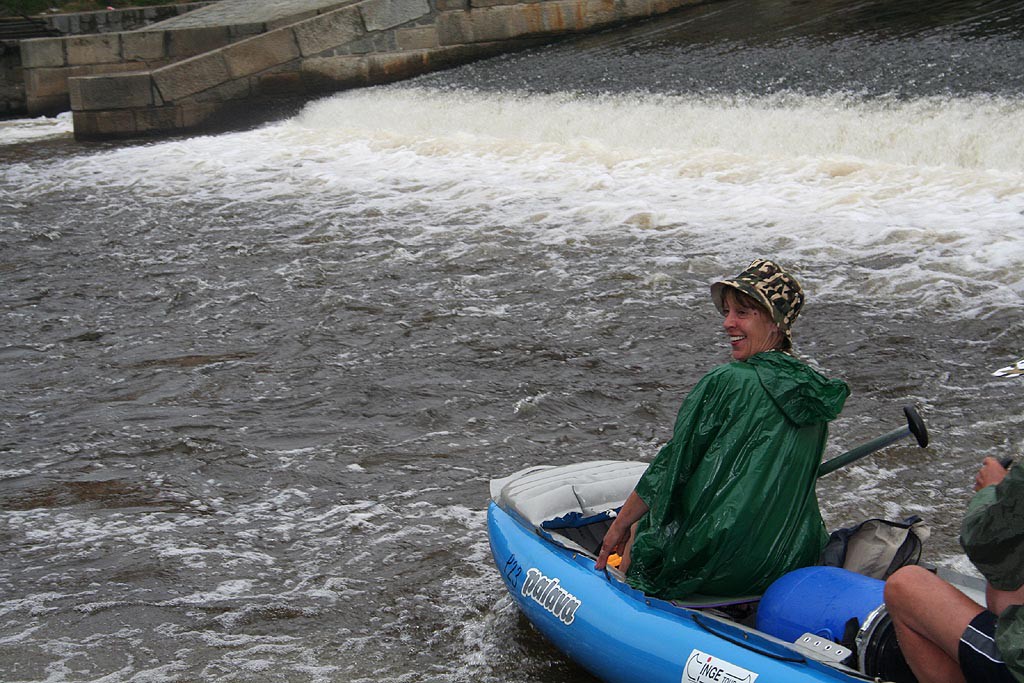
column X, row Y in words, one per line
column 618, row 535
column 991, row 473
column 614, row 542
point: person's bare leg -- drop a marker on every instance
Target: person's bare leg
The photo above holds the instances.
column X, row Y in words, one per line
column 930, row 616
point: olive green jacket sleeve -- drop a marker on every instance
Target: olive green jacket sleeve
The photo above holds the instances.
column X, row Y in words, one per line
column 992, row 532
column 992, row 535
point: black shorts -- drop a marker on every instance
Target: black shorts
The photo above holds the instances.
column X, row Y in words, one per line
column 979, row 657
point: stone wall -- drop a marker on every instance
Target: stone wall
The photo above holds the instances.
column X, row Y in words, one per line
column 47, row 91
column 50, row 62
column 370, row 42
column 12, row 80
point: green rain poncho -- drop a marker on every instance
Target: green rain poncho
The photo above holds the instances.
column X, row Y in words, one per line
column 732, row 495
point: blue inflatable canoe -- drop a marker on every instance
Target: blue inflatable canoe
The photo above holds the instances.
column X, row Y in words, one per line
column 815, row 624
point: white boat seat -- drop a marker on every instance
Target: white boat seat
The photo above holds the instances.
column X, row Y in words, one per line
column 542, row 493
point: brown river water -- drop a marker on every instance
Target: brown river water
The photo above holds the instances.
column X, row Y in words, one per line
column 255, row 384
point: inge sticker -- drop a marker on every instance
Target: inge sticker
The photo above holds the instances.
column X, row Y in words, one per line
column 704, row 668
column 548, row 594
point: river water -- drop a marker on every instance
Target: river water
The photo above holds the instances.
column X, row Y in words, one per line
column 255, row 384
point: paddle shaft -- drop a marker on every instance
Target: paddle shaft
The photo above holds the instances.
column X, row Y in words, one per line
column 915, row 426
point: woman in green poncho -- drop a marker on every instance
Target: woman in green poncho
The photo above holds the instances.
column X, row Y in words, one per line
column 729, row 504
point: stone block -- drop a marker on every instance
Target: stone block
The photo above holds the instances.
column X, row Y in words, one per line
column 46, row 105
column 147, row 46
column 388, row 67
column 329, row 31
column 488, row 24
column 237, row 89
column 454, row 28
column 116, row 91
column 423, row 38
column 261, row 53
column 382, row 42
column 568, row 17
column 242, row 31
column 156, row 120
column 46, row 82
column 191, row 76
column 601, row 13
column 449, row 5
column 194, row 115
column 37, row 53
column 94, row 49
column 99, row 69
column 330, row 72
column 288, row 21
column 75, row 93
column 103, row 124
column 384, row 14
column 59, row 23
column 189, row 42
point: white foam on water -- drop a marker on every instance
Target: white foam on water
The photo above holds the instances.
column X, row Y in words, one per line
column 15, row 131
column 930, row 191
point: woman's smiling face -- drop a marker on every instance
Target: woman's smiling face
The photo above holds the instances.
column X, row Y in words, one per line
column 751, row 330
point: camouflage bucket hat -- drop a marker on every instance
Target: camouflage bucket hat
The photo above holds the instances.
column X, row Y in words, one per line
column 768, row 284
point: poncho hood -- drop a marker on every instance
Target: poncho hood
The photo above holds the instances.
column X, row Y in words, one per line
column 803, row 395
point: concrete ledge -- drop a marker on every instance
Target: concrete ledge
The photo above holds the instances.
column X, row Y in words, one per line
column 327, row 31
column 346, row 71
column 261, row 53
column 343, row 72
column 42, row 53
column 144, row 47
column 229, row 91
column 156, row 120
column 46, row 90
column 124, row 91
column 101, row 49
column 504, row 22
column 104, row 124
column 194, row 41
column 420, row 38
column 369, row 42
column 379, row 15
column 191, row 76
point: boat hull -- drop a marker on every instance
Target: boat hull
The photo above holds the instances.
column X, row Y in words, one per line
column 621, row 635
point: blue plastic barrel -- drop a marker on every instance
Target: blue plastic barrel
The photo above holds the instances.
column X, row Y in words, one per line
column 818, row 600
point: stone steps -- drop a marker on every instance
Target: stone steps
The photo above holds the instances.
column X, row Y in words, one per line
column 22, row 28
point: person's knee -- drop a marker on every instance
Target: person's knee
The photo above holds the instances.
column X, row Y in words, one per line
column 904, row 587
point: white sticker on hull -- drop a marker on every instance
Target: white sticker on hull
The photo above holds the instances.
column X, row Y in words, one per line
column 548, row 594
column 704, row 668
